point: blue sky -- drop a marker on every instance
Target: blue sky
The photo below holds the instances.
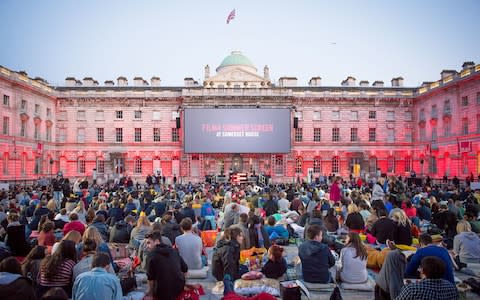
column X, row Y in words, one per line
column 370, row 40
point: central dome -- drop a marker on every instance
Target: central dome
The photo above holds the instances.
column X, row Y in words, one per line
column 236, row 58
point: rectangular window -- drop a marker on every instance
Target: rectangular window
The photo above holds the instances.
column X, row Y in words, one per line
column 434, row 112
column 80, row 135
column 447, row 110
column 62, row 135
column 317, row 165
column 372, row 115
column 62, row 115
column 434, row 133
column 278, row 165
column 390, row 135
column 100, row 166
column 335, row 164
column 465, row 101
column 99, row 116
column 465, row 126
column 421, row 117
column 447, row 128
column 175, row 135
column 372, row 164
column 432, row 166
column 49, row 133
column 353, row 134
column 478, row 97
column 5, row 164
column 408, row 164
column 390, row 115
column 317, row 134
column 119, row 135
column 38, row 165
column 138, row 165
column 372, row 134
column 354, row 115
column 138, row 114
column 423, row 134
column 119, row 114
column 100, row 135
column 36, row 133
column 37, row 109
column 465, row 163
column 408, row 137
column 6, row 100
column 317, row 116
column 408, row 115
column 156, row 134
column 335, row 134
column 298, row 165
column 23, row 128
column 138, row 134
column 336, row 115
column 156, row 116
column 23, row 164
column 81, row 166
column 23, row 105
column 81, row 115
column 6, row 126
column 298, row 134
column 391, row 164
column 49, row 112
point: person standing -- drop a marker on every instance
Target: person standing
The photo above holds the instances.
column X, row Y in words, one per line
column 97, row 283
column 166, row 269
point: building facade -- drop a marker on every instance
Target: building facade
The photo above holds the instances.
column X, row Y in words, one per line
column 121, row 129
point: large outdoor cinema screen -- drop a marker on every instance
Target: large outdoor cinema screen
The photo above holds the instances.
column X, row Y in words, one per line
column 237, row 130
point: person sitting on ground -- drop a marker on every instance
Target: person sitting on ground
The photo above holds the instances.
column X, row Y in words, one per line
column 85, row 264
column 473, row 221
column 99, row 283
column 138, row 232
column 275, row 231
column 93, row 234
column 276, row 265
column 257, row 234
column 143, row 250
column 31, row 263
column 316, row 257
column 15, row 238
column 389, row 281
column 353, row 260
column 432, row 286
column 102, row 210
column 61, row 219
column 115, row 213
column 403, row 231
column 445, row 220
column 74, row 224
column 424, row 212
column 188, row 211
column 12, row 284
column 364, row 210
column 226, row 256
column 466, row 244
column 331, row 221
column 170, row 228
column 189, row 246
column 71, row 236
column 243, row 224
column 384, row 228
column 429, row 249
column 354, row 220
column 99, row 223
column 46, row 237
column 165, row 269
column 121, row 230
column 55, row 294
column 56, row 270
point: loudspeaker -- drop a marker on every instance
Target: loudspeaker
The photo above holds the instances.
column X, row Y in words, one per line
column 295, row 122
column 178, row 122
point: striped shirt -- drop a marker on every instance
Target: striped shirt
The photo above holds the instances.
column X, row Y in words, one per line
column 62, row 277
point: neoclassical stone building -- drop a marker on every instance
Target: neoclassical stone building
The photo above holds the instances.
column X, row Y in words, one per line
column 137, row 129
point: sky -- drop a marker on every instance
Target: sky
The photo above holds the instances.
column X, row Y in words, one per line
column 369, row 40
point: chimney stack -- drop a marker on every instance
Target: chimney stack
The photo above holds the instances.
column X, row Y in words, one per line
column 315, row 81
column 70, row 81
column 207, row 71
column 155, row 81
column 189, row 82
column 378, row 83
column 397, row 82
column 468, row 65
column 350, row 81
column 122, row 81
column 88, row 81
column 109, row 83
column 445, row 73
column 287, row 81
column 364, row 83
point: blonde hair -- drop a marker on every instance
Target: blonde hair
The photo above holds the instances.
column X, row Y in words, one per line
column 400, row 216
column 74, row 236
column 352, row 208
column 93, row 234
column 463, row 226
column 143, row 220
column 51, row 205
column 80, row 207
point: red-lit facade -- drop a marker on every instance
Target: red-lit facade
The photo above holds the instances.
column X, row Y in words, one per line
column 120, row 129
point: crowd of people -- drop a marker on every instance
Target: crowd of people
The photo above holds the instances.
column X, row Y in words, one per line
column 57, row 236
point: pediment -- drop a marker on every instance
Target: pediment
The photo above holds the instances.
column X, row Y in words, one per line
column 236, row 75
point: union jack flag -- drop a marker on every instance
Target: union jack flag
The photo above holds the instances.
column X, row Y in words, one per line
column 231, row 16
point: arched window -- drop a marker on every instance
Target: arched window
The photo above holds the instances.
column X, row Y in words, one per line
column 335, row 164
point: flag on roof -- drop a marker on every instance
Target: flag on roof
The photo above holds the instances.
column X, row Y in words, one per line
column 231, row 16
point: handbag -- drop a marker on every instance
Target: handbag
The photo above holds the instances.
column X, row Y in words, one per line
column 289, row 290
column 336, row 294
column 128, row 282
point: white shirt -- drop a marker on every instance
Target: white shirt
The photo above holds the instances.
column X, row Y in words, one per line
column 283, row 204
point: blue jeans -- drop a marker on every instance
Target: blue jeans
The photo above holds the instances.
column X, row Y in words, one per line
column 58, row 197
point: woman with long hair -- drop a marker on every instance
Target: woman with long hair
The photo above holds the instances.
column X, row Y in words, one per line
column 46, row 236
column 353, row 260
column 31, row 263
column 403, row 230
column 93, row 234
column 331, row 221
column 81, row 212
column 56, row 270
column 72, row 235
column 138, row 232
column 354, row 221
column 257, row 234
column 225, row 260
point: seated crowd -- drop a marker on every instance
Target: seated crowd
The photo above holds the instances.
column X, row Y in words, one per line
column 59, row 240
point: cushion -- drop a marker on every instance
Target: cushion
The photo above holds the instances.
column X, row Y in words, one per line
column 197, row 274
column 253, row 287
column 319, row 287
column 366, row 286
